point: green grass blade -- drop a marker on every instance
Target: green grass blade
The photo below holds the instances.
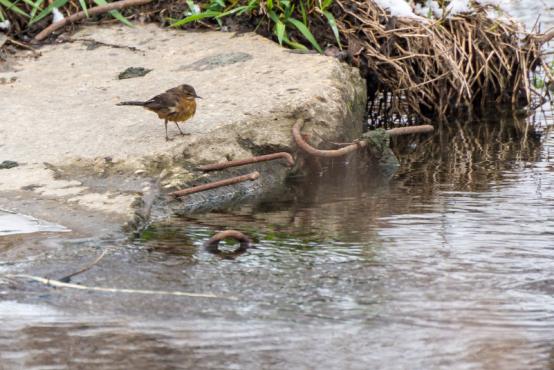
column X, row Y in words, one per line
column 325, row 4
column 36, row 8
column 192, row 7
column 273, row 16
column 333, row 24
column 47, row 10
column 11, row 6
column 115, row 13
column 29, row 2
column 303, row 12
column 238, row 9
column 294, row 45
column 196, row 17
column 84, row 6
column 280, row 31
column 305, row 32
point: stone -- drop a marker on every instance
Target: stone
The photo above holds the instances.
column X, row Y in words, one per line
column 60, row 119
column 4, row 165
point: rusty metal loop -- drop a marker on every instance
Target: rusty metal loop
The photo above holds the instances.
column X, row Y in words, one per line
column 216, row 184
column 212, row 244
column 242, row 162
column 322, row 153
column 303, row 144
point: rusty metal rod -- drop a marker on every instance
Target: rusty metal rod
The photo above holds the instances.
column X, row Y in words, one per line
column 216, row 184
column 303, row 144
column 212, row 244
column 322, row 153
column 242, row 162
column 422, row 129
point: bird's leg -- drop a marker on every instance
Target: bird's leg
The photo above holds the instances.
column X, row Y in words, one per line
column 166, row 137
column 182, row 133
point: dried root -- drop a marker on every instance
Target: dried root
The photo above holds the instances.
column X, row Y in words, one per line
column 422, row 69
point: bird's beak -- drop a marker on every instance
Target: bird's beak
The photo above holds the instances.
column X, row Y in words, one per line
column 198, row 97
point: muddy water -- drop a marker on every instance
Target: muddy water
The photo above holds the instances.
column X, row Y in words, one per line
column 446, row 265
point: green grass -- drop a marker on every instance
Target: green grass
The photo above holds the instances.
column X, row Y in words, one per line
column 28, row 12
column 284, row 16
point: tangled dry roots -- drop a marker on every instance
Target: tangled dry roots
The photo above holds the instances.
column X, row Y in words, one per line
column 424, row 70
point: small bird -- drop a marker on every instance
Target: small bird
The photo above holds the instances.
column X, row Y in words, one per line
column 177, row 105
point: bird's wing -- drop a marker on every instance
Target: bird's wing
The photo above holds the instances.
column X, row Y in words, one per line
column 166, row 102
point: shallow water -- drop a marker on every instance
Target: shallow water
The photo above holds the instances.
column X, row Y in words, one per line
column 447, row 265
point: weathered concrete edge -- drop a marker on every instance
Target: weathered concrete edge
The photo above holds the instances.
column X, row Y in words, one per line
column 340, row 119
column 336, row 114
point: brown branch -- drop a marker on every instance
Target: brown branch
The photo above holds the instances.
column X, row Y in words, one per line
column 546, row 37
column 212, row 245
column 216, row 184
column 92, row 11
column 242, row 162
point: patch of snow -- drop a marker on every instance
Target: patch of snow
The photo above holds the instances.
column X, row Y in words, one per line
column 431, row 9
column 459, row 6
column 398, row 8
column 58, row 16
column 5, row 25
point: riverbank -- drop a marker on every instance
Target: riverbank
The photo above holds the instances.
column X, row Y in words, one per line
column 81, row 157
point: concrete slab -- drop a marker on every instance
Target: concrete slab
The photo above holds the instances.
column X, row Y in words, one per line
column 59, row 121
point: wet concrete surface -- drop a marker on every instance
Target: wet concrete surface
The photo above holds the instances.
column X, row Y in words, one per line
column 76, row 147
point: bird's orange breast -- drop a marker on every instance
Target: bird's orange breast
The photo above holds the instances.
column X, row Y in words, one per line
column 184, row 110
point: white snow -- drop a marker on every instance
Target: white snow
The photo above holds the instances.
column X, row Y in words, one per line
column 458, row 6
column 5, row 25
column 398, row 8
column 431, row 9
column 58, row 16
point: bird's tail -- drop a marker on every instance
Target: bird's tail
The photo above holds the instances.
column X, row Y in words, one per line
column 139, row 103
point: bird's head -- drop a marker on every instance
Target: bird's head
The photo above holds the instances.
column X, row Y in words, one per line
column 189, row 91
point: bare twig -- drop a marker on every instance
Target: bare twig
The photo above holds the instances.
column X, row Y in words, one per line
column 23, row 45
column 546, row 37
column 242, row 162
column 66, row 278
column 60, row 284
column 216, row 184
column 92, row 11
